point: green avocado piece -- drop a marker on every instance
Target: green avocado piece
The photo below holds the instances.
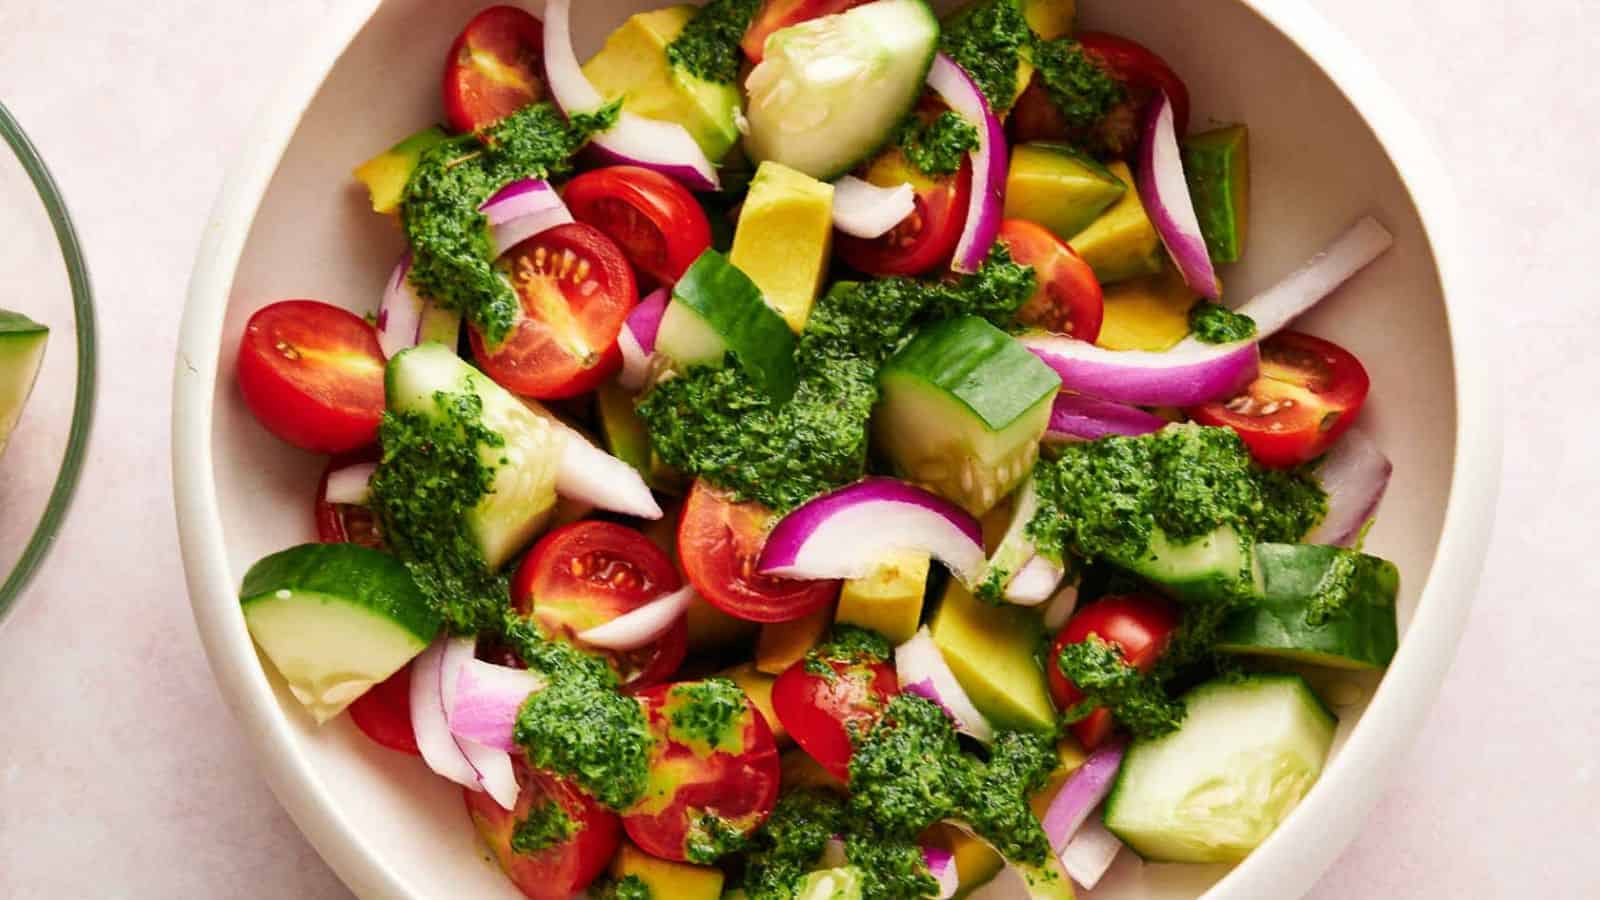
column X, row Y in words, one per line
column 665, row 878
column 1358, row 630
column 633, row 66
column 1050, row 19
column 1059, row 187
column 1217, row 165
column 386, row 174
column 993, row 652
column 1122, row 243
column 785, row 238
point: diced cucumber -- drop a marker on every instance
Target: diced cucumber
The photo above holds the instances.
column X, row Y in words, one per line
column 841, row 883
column 1359, row 631
column 1059, row 187
column 1209, row 567
column 831, row 91
column 386, row 174
column 22, row 343
column 1015, row 548
column 1212, row 791
column 962, row 410
column 524, row 489
column 1217, row 165
column 716, row 309
column 335, row 619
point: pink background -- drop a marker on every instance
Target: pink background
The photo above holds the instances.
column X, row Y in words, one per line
column 122, row 775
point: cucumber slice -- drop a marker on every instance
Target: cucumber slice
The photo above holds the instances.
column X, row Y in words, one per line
column 524, row 490
column 830, row 92
column 716, row 309
column 335, row 619
column 1208, row 568
column 1361, row 633
column 1212, row 791
column 962, row 410
column 22, row 343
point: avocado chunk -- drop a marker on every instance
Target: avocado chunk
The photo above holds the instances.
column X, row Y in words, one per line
column 716, row 310
column 889, row 601
column 627, row 439
column 633, row 66
column 757, row 685
column 993, row 652
column 1059, row 187
column 1217, row 165
column 784, row 237
column 1147, row 313
column 22, row 343
column 1050, row 19
column 666, row 879
column 1122, row 243
column 1317, row 604
column 386, row 174
column 962, row 409
column 782, row 644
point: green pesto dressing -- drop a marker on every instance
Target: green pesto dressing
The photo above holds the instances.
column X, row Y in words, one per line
column 936, row 146
column 629, row 887
column 708, row 716
column 708, row 46
column 1107, row 680
column 1214, row 323
column 988, row 40
column 546, row 825
column 1081, row 90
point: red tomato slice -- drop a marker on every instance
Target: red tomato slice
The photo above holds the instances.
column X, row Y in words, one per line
column 383, row 713
column 1068, row 300
column 719, row 542
column 927, row 239
column 655, row 220
column 559, row 871
column 1140, row 625
column 576, row 290
column 819, row 711
column 776, row 15
column 313, row 375
column 588, row 573
column 1309, row 393
column 495, row 67
column 736, row 782
column 346, row 523
column 1140, row 70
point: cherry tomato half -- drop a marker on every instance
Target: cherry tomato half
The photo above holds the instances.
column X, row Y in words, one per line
column 588, row 573
column 495, row 67
column 1068, row 299
column 719, row 542
column 776, row 15
column 576, row 290
column 927, row 239
column 346, row 523
column 383, row 713
column 313, row 375
column 1138, row 624
column 655, row 220
column 555, row 872
column 732, row 780
column 1309, row 393
column 819, row 710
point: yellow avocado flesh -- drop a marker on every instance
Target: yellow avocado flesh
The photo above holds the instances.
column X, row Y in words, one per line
column 784, row 239
column 1050, row 19
column 1059, row 188
column 386, row 174
column 667, row 880
column 1123, row 242
column 1149, row 313
column 758, row 687
column 782, row 644
column 889, row 601
column 633, row 66
column 991, row 651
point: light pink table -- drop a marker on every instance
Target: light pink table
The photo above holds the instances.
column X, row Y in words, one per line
column 122, row 775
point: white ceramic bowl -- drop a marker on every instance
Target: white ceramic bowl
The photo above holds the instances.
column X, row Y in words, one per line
column 1329, row 143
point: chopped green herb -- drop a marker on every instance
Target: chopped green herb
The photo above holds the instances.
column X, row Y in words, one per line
column 989, row 40
column 710, row 839
column 1214, row 323
column 1082, row 91
column 708, row 715
column 937, row 146
column 1106, row 679
column 708, row 47
column 546, row 825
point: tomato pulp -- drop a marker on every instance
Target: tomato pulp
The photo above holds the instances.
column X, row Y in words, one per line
column 820, row 710
column 1139, row 625
column 719, row 544
column 558, row 871
column 656, row 222
column 926, row 239
column 1068, row 299
column 495, row 67
column 383, row 713
column 313, row 375
column 588, row 573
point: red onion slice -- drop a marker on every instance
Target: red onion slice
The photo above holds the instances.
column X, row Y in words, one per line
column 666, row 147
column 429, row 720
column 638, row 338
column 989, row 162
column 1061, row 606
column 1075, row 417
column 1165, row 193
column 865, row 210
column 1035, row 582
column 1085, row 790
column 521, row 210
column 942, row 866
column 1183, row 376
column 922, row 671
column 636, row 628
column 487, row 700
column 406, row 319
column 1274, row 308
column 591, row 475
column 1090, row 853
column 846, row 533
column 491, row 768
column 351, row 484
column 1355, row 474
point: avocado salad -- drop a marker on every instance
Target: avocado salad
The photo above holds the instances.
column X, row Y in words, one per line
column 805, row 451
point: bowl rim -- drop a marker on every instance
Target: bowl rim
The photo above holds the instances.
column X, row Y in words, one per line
column 1320, row 827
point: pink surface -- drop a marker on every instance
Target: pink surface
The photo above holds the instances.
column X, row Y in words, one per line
column 121, row 774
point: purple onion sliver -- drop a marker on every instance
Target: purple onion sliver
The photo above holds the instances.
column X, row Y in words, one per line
column 989, row 162
column 1355, row 474
column 1075, row 417
column 1090, row 853
column 645, row 320
column 1184, row 376
column 1084, row 790
column 1165, row 193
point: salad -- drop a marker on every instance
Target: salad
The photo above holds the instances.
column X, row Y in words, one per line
column 806, row 452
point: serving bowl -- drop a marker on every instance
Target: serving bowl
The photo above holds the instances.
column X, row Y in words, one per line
column 1330, row 144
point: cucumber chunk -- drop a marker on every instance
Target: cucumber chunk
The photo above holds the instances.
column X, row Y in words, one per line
column 1360, row 632
column 1207, row 568
column 1212, row 791
column 962, row 409
column 22, row 343
column 716, row 309
column 831, row 91
column 335, row 619
column 524, row 489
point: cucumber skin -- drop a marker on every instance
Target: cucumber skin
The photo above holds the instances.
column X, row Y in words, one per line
column 1362, row 635
column 948, row 356
column 751, row 329
column 351, row 573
